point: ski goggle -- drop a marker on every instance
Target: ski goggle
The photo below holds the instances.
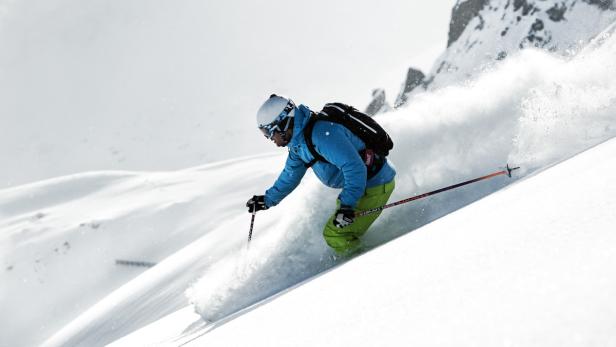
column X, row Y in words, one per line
column 270, row 129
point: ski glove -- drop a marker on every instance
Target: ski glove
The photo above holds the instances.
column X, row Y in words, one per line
column 344, row 216
column 256, row 203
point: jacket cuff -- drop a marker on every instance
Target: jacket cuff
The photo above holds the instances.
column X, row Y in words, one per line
column 269, row 202
column 346, row 203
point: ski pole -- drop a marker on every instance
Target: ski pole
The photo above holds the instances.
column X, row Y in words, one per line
column 507, row 172
column 252, row 224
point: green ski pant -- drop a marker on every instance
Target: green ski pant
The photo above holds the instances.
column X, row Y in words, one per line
column 346, row 240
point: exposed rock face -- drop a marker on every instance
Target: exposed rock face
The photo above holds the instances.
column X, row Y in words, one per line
column 557, row 12
column 484, row 32
column 379, row 103
column 414, row 79
column 463, row 12
column 603, row 4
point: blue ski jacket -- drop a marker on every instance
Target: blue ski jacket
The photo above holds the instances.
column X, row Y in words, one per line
column 345, row 168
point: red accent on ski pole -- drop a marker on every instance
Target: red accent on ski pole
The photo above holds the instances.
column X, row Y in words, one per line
column 421, row 196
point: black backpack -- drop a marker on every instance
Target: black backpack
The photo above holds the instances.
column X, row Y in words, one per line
column 363, row 126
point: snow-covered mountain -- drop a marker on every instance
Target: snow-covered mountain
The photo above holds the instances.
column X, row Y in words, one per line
column 60, row 239
column 65, row 242
column 483, row 33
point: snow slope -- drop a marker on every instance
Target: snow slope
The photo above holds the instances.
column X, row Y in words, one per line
column 59, row 239
column 530, row 265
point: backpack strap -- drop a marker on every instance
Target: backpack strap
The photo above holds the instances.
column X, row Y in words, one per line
column 374, row 162
column 308, row 137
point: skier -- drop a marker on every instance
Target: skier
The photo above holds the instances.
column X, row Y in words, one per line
column 364, row 186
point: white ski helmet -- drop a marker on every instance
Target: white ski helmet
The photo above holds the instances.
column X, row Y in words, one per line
column 275, row 115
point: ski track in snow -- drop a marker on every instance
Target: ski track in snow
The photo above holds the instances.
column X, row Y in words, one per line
column 59, row 238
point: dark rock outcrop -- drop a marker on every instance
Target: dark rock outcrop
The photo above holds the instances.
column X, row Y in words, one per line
column 461, row 15
column 602, row 4
column 378, row 104
column 557, row 13
column 414, row 79
column 527, row 8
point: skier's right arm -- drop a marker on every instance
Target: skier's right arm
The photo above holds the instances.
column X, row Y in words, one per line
column 288, row 180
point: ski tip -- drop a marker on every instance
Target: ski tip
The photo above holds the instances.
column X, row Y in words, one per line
column 510, row 169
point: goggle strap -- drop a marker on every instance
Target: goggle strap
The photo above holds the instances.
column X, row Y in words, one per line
column 288, row 119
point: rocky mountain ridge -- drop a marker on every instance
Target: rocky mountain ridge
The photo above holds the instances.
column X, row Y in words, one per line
column 484, row 32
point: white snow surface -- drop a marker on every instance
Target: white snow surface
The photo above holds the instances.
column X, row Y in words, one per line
column 529, row 265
